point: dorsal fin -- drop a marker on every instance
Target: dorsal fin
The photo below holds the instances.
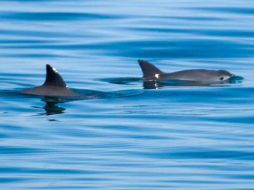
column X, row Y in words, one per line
column 148, row 69
column 53, row 78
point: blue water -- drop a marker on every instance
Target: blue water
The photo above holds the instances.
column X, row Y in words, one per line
column 124, row 136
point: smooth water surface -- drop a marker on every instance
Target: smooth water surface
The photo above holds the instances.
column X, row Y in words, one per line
column 124, row 136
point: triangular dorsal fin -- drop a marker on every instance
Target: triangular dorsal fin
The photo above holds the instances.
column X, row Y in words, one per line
column 53, row 78
column 148, row 69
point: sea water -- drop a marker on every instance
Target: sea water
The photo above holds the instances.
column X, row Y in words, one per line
column 123, row 135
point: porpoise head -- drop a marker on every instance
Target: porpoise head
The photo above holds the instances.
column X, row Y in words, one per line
column 224, row 75
column 54, row 85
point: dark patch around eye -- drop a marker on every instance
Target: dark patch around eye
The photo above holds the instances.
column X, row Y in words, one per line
column 221, row 78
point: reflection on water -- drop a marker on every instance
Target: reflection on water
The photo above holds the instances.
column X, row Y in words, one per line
column 52, row 108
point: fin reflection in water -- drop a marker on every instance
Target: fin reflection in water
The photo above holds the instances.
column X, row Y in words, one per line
column 52, row 109
column 52, row 106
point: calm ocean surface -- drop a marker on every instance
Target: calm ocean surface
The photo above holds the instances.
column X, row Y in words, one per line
column 124, row 136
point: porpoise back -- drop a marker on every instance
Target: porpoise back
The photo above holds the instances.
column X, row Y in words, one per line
column 54, row 85
column 152, row 73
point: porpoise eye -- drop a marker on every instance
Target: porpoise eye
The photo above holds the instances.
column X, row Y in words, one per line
column 221, row 78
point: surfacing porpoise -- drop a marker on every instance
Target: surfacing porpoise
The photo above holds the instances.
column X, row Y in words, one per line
column 152, row 73
column 54, row 86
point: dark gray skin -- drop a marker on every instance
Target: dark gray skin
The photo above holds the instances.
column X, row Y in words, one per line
column 152, row 73
column 54, row 86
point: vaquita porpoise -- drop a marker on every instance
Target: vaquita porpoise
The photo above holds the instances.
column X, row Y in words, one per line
column 54, row 85
column 152, row 73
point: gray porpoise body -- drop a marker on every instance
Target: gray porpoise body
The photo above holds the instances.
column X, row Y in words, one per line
column 54, row 85
column 152, row 73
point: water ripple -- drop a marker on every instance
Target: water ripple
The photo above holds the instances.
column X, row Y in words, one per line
column 121, row 135
column 47, row 16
